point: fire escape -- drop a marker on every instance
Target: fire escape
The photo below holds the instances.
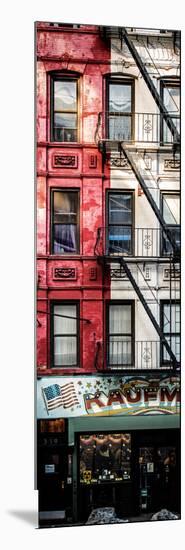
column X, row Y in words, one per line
column 160, row 129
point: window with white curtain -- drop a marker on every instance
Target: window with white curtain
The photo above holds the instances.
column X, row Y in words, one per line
column 64, row 109
column 120, row 99
column 65, row 335
column 120, row 335
column 170, row 320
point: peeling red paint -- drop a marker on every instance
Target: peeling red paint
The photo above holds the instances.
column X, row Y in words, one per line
column 71, row 51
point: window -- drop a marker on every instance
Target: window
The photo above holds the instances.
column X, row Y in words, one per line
column 120, row 213
column 65, row 334
column 170, row 323
column 105, row 457
column 170, row 92
column 120, row 334
column 64, row 109
column 65, row 222
column 171, row 215
column 120, row 99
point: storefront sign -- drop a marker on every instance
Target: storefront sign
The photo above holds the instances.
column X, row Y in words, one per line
column 60, row 397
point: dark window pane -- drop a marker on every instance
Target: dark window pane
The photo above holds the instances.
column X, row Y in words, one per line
column 65, row 207
column 65, row 226
column 65, row 238
column 65, row 127
column 120, row 208
column 171, row 97
column 171, row 329
column 120, row 239
column 65, row 93
column 120, row 98
column 68, row 120
column 167, row 135
column 171, row 312
column 167, row 247
column 171, row 209
column 171, row 213
column 174, row 343
column 61, row 134
column 65, row 111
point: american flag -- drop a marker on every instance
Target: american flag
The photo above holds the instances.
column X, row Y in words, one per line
column 60, row 396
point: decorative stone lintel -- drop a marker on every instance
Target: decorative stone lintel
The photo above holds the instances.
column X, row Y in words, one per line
column 63, row 273
column 171, row 164
column 118, row 162
column 64, row 161
column 175, row 273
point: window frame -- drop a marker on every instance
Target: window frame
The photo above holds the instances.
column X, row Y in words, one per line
column 120, row 80
column 53, row 336
column 170, row 82
column 163, row 193
column 166, row 362
column 131, row 335
column 64, row 190
column 120, row 192
column 63, row 78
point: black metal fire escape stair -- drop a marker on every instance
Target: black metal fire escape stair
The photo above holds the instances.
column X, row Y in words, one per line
column 151, row 86
column 163, row 340
column 128, row 155
column 148, row 195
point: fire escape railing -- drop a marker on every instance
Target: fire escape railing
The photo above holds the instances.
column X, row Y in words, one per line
column 155, row 94
column 121, row 33
column 122, row 353
column 140, row 242
column 149, row 196
column 119, row 131
column 137, row 127
column 149, row 312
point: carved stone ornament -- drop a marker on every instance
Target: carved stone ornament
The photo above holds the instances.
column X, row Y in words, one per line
column 63, row 273
column 171, row 164
column 118, row 162
column 175, row 273
column 65, row 161
column 118, row 273
column 92, row 273
column 92, row 161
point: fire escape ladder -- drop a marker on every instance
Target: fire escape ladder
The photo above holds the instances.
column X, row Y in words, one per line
column 151, row 86
column 148, row 195
column 148, row 310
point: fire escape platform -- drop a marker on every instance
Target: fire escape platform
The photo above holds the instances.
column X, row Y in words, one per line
column 108, row 259
column 107, row 146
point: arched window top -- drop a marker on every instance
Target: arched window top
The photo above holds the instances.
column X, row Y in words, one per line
column 120, row 76
column 62, row 73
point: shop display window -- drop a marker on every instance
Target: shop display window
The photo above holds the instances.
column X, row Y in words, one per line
column 105, row 458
